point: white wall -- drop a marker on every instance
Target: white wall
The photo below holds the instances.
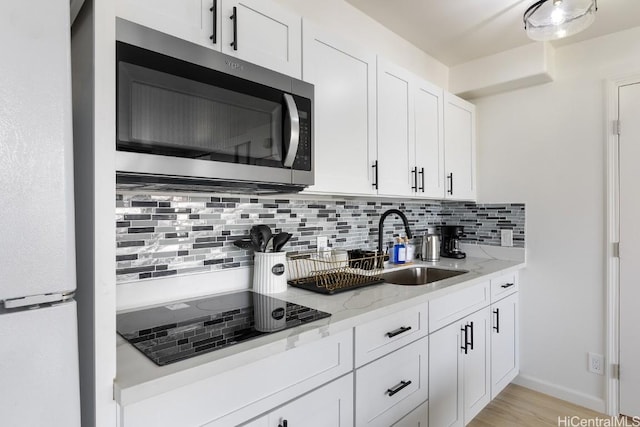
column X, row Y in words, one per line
column 545, row 146
column 344, row 20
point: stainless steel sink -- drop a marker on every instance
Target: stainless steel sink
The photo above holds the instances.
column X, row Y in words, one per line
column 419, row 275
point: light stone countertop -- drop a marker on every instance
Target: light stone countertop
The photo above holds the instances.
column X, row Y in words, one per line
column 138, row 378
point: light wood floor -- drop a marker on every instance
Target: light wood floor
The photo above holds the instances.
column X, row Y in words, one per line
column 519, row 406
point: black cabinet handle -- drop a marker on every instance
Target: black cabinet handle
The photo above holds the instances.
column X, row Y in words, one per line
column 422, row 175
column 283, row 424
column 471, row 342
column 394, row 390
column 450, row 178
column 497, row 327
column 214, row 12
column 464, row 330
column 375, row 175
column 507, row 285
column 398, row 331
column 234, row 17
column 414, row 172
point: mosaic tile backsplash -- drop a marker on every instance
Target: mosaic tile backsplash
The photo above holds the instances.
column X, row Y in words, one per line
column 163, row 235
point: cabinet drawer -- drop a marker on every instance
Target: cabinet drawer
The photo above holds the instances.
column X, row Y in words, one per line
column 457, row 305
column 391, row 387
column 240, row 394
column 382, row 336
column 503, row 286
column 419, row 417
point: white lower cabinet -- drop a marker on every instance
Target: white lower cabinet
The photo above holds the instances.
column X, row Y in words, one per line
column 237, row 395
column 445, row 377
column 476, row 364
column 504, row 343
column 435, row 364
column 392, row 386
column 419, row 417
column 330, row 405
column 460, row 370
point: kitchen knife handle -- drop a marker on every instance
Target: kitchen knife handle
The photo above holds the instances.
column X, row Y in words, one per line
column 422, row 179
column 234, row 18
column 214, row 13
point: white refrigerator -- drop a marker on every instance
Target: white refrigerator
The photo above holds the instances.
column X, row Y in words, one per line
column 38, row 323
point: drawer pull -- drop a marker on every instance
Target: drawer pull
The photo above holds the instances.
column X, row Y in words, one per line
column 468, row 343
column 214, row 12
column 507, row 285
column 394, row 390
column 234, row 18
column 283, row 424
column 398, row 331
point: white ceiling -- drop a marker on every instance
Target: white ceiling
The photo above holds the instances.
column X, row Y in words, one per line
column 456, row 31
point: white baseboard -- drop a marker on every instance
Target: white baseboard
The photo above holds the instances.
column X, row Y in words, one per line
column 573, row 396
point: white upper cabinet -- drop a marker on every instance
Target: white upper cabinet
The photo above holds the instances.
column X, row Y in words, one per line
column 410, row 134
column 395, row 168
column 460, row 148
column 191, row 20
column 429, row 139
column 262, row 32
column 257, row 31
column 344, row 77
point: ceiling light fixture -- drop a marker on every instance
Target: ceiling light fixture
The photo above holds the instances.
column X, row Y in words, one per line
column 548, row 20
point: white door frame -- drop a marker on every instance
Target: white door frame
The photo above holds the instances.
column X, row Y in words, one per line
column 612, row 262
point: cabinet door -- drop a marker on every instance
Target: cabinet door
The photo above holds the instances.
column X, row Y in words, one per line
column 459, row 148
column 395, row 131
column 477, row 364
column 429, row 139
column 190, row 20
column 344, row 76
column 445, row 377
column 330, row 405
column 504, row 343
column 264, row 33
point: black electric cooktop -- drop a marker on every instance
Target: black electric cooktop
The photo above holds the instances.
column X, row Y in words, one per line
column 186, row 329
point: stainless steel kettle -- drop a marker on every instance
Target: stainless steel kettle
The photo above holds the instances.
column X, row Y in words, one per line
column 431, row 247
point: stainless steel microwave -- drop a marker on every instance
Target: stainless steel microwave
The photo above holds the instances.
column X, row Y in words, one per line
column 190, row 118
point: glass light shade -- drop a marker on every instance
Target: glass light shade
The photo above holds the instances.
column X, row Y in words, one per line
column 555, row 19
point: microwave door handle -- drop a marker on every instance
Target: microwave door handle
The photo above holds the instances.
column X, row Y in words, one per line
column 294, row 130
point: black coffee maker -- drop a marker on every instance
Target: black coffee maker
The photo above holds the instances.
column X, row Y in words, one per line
column 450, row 247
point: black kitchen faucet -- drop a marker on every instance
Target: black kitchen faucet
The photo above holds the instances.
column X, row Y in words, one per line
column 381, row 225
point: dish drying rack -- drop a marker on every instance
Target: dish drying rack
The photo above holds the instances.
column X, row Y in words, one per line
column 333, row 271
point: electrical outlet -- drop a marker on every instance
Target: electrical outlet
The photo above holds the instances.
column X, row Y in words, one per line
column 595, row 363
column 506, row 238
column 322, row 243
